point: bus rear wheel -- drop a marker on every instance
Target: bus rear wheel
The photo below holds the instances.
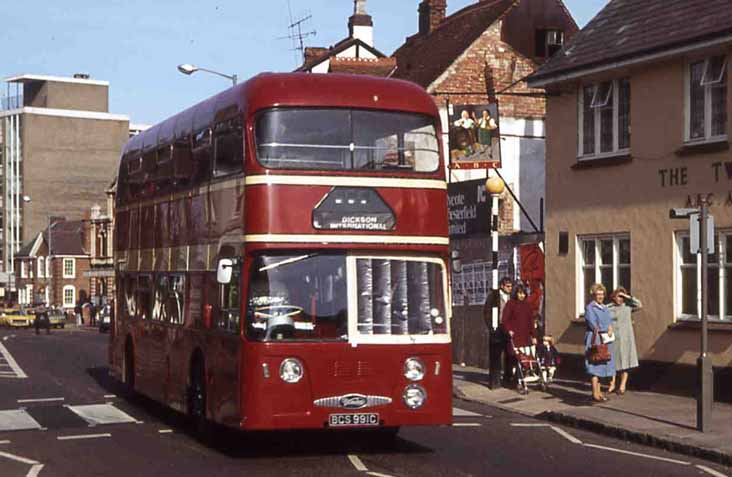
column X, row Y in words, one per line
column 129, row 367
column 200, row 425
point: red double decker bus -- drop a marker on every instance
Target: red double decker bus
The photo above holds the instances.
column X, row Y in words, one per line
column 281, row 254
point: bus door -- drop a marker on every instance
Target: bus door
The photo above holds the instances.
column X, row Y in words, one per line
column 223, row 346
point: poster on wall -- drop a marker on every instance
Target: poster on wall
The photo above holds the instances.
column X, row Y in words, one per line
column 474, row 138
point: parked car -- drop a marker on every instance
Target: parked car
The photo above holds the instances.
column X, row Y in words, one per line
column 17, row 319
column 57, row 318
column 105, row 318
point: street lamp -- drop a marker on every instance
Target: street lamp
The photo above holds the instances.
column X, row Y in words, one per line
column 188, row 69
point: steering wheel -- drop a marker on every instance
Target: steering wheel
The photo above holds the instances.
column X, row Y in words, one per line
column 277, row 311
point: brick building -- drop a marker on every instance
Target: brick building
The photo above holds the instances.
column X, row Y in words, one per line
column 479, row 55
column 101, row 250
column 58, row 147
column 51, row 268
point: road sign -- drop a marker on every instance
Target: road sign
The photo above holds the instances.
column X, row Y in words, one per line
column 695, row 232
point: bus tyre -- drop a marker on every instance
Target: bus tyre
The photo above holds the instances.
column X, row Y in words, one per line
column 202, row 428
column 129, row 374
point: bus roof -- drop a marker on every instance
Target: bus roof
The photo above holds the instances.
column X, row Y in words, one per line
column 269, row 90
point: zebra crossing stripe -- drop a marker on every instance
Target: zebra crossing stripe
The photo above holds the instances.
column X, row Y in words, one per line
column 11, row 361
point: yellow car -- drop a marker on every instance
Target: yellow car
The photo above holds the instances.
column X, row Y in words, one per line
column 18, row 319
column 57, row 318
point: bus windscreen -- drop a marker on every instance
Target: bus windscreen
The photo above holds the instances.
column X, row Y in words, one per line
column 343, row 139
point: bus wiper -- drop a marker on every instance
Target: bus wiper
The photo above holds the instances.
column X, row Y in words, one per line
column 287, row 261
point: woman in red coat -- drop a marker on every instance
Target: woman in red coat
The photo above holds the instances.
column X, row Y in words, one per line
column 518, row 320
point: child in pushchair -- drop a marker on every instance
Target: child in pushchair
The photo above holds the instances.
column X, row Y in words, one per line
column 528, row 368
column 548, row 358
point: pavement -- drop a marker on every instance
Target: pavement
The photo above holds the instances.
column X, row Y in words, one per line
column 659, row 420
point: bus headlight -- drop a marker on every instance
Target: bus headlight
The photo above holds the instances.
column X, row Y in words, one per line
column 414, row 396
column 291, row 370
column 414, row 369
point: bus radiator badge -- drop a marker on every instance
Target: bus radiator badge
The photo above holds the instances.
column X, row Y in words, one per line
column 352, row 401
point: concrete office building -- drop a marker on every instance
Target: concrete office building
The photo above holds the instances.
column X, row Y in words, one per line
column 59, row 146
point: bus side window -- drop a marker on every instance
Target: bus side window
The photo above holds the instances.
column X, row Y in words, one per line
column 159, row 312
column 229, row 302
column 182, row 162
column 201, row 156
column 164, row 169
column 143, row 297
column 228, row 148
column 176, row 303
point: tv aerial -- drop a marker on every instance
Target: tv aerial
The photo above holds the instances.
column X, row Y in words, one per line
column 296, row 34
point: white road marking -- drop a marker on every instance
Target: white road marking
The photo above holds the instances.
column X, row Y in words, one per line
column 515, row 424
column 34, row 471
column 18, row 458
column 109, row 396
column 5, row 442
column 17, row 420
column 378, row 474
column 710, row 471
column 638, row 454
column 101, row 414
column 463, row 413
column 357, row 463
column 566, row 435
column 9, row 359
column 466, row 424
column 83, row 436
column 165, row 431
column 20, row 401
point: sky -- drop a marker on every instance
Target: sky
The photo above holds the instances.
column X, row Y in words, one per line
column 136, row 45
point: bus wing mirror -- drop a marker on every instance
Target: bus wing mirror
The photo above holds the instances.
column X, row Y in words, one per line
column 223, row 271
column 207, row 316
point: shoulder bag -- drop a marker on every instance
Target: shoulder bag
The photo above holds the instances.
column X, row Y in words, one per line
column 599, row 352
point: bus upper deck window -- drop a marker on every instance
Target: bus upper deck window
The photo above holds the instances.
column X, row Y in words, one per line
column 339, row 139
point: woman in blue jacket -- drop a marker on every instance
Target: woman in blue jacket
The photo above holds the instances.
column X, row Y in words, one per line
column 597, row 318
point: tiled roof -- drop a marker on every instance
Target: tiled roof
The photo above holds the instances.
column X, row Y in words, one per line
column 630, row 28
column 382, row 67
column 315, row 55
column 423, row 58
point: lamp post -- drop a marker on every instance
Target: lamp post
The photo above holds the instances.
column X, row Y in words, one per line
column 188, row 69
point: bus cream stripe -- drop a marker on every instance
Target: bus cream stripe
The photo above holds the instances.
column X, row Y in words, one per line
column 347, row 181
column 312, row 238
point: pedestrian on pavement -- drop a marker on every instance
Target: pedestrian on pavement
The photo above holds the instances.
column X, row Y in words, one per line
column 548, row 357
column 626, row 354
column 599, row 325
column 42, row 320
column 518, row 323
column 496, row 335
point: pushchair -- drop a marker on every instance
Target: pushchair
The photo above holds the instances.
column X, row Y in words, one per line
column 528, row 368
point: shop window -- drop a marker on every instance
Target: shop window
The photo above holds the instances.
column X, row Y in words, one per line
column 604, row 259
column 604, row 119
column 69, row 296
column 69, row 268
column 719, row 279
column 706, row 99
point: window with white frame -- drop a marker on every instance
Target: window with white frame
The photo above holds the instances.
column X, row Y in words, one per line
column 69, row 268
column 23, row 269
column 41, row 267
column 719, row 279
column 604, row 118
column 602, row 259
column 48, row 267
column 69, row 296
column 706, row 99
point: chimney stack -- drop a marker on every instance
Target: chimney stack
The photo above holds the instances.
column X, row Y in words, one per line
column 431, row 14
column 360, row 25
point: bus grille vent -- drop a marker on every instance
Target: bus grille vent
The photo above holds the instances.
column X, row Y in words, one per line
column 349, row 369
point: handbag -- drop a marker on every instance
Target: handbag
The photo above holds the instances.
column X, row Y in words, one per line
column 599, row 352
